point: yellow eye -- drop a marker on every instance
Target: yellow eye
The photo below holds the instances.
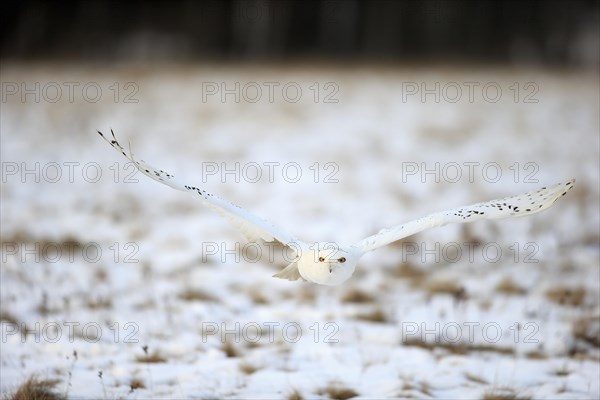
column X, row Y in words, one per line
column 321, row 259
column 342, row 260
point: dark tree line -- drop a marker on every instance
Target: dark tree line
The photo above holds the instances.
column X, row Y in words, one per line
column 548, row 31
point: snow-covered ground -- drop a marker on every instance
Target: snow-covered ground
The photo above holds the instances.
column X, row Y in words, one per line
column 118, row 287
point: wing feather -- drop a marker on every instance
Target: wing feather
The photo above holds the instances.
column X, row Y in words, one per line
column 252, row 226
column 508, row 207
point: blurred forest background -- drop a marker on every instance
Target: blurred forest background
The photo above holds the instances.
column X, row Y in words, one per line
column 462, row 31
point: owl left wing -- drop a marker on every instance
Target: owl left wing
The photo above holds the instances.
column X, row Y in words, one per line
column 508, row 207
column 252, row 226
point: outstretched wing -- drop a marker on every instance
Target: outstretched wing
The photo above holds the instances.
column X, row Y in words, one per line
column 250, row 225
column 508, row 207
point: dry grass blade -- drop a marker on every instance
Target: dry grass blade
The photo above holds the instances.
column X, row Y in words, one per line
column 152, row 358
column 36, row 389
column 337, row 392
column 357, row 296
column 503, row 393
column 197, row 295
column 377, row 316
column 567, row 296
column 508, row 286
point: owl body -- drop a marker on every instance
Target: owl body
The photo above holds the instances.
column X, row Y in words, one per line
column 327, row 263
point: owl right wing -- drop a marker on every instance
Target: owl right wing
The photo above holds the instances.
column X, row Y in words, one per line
column 252, row 226
column 508, row 207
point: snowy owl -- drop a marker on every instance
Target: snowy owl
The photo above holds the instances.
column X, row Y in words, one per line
column 330, row 264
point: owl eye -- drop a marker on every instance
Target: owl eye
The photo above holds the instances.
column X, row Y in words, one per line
column 321, row 259
column 342, row 260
